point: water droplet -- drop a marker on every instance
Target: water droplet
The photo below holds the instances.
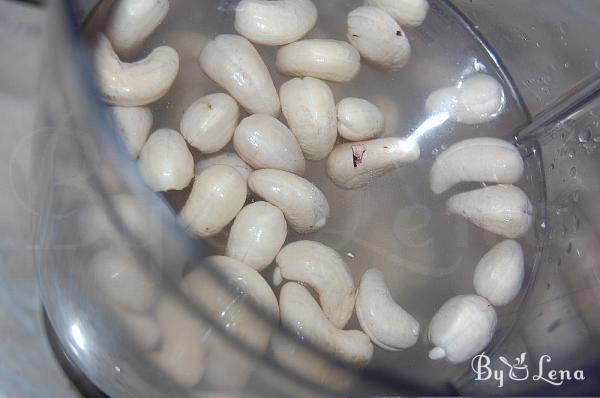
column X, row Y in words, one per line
column 542, row 224
column 538, row 44
column 569, row 248
column 444, row 147
column 597, row 139
column 349, row 254
column 566, row 65
column 575, row 196
column 584, row 136
column 573, row 172
column 564, row 29
column 435, row 151
column 551, row 166
column 572, row 153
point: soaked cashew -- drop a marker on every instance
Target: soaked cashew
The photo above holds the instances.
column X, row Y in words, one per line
column 502, row 209
column 406, row 12
column 461, row 328
column 182, row 354
column 208, row 124
column 131, row 22
column 166, row 162
column 359, row 119
column 478, row 98
column 266, row 143
column 500, row 272
column 217, row 196
column 137, row 83
column 323, row 269
column 257, row 234
column 143, row 329
column 387, row 324
column 133, row 125
column 225, row 159
column 325, row 59
column 301, row 313
column 476, row 159
column 233, row 62
column 123, row 281
column 274, row 23
column 355, row 165
column 309, row 107
column 305, row 207
column 378, row 38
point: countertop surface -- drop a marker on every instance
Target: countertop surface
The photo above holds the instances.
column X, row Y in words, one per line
column 27, row 365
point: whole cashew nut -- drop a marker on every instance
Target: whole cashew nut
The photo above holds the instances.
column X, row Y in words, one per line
column 406, row 12
column 305, row 207
column 359, row 119
column 502, row 209
column 324, row 270
column 476, row 159
column 225, row 159
column 274, row 23
column 138, row 83
column 387, row 324
column 301, row 313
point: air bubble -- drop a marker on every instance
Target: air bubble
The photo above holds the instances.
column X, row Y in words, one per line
column 569, row 248
column 573, row 172
column 584, row 136
column 564, row 29
column 571, row 153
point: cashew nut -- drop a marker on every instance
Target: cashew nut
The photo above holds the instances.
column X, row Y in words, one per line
column 225, row 159
column 142, row 329
column 309, row 107
column 305, row 207
column 183, row 349
column 138, row 83
column 133, row 125
column 406, row 12
column 217, row 196
column 233, row 62
column 387, row 324
column 478, row 98
column 266, row 143
column 208, row 124
column 500, row 272
column 274, row 23
column 301, row 313
column 229, row 307
column 355, row 165
column 359, row 119
column 131, row 22
column 323, row 269
column 165, row 161
column 502, row 209
column 325, row 59
column 378, row 38
column 461, row 328
column 476, row 159
column 125, row 284
column 257, row 234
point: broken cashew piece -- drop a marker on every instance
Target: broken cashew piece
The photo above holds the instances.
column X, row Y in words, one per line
column 476, row 160
column 324, row 270
column 266, row 143
column 217, row 196
column 405, row 12
column 233, row 62
column 137, row 83
column 133, row 125
column 257, row 235
column 359, row 119
column 225, row 159
column 326, row 59
column 309, row 108
column 131, row 22
column 355, row 165
column 182, row 354
column 274, row 23
column 502, row 209
column 301, row 313
column 387, row 324
column 499, row 274
column 378, row 38
column 208, row 124
column 305, row 207
column 461, row 328
column 165, row 161
column 476, row 99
